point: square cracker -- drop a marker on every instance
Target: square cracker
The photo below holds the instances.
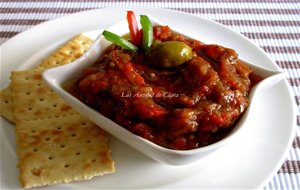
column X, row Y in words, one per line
column 33, row 99
column 54, row 143
column 61, row 150
column 67, row 53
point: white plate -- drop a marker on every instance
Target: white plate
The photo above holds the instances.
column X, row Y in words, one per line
column 249, row 161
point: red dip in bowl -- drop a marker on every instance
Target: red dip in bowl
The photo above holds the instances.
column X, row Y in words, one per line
column 185, row 107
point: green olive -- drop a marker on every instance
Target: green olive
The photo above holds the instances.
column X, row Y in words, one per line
column 169, row 54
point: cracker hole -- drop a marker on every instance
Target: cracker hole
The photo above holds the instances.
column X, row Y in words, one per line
column 77, row 153
column 39, row 84
column 29, row 109
column 50, row 157
column 6, row 101
column 35, row 150
column 93, row 161
column 59, row 128
column 62, row 146
column 27, row 93
column 74, row 135
column 26, row 78
column 54, row 105
column 67, row 165
column 47, row 139
column 84, row 124
column 42, row 99
column 88, row 141
column 33, row 131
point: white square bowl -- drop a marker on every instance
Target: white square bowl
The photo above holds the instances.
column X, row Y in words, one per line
column 56, row 77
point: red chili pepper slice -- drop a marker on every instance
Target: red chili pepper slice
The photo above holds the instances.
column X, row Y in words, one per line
column 135, row 34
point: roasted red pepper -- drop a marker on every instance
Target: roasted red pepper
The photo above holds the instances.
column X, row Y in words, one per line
column 135, row 34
